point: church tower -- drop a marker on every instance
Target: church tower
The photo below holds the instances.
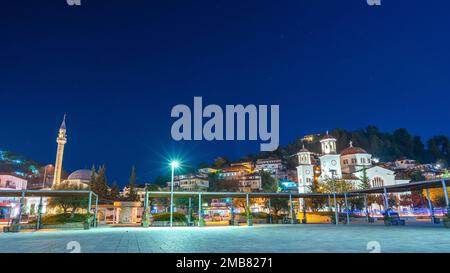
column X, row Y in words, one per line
column 61, row 140
column 305, row 172
column 330, row 161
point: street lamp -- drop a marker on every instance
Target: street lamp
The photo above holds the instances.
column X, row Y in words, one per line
column 334, row 196
column 173, row 165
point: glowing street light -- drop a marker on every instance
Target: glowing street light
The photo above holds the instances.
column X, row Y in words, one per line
column 173, row 165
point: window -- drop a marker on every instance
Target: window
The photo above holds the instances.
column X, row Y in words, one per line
column 354, row 160
column 377, row 182
column 345, row 161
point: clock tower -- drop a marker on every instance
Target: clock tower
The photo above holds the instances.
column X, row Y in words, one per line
column 330, row 161
column 305, row 172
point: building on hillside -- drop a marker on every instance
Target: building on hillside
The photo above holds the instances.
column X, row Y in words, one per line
column 190, row 182
column 12, row 182
column 139, row 190
column 193, row 182
column 404, row 164
column 309, row 138
column 250, row 182
column 246, row 178
column 272, row 165
column 10, row 206
column 207, row 171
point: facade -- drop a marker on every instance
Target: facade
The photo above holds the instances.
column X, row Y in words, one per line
column 330, row 163
column 250, row 182
column 349, row 165
column 405, row 164
column 305, row 170
column 12, row 182
column 354, row 159
column 245, row 176
column 271, row 165
column 193, row 182
column 190, row 182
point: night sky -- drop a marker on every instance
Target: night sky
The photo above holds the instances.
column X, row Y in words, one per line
column 118, row 67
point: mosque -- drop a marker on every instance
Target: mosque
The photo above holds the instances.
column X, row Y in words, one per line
column 79, row 178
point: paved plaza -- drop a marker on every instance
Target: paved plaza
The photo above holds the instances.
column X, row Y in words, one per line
column 265, row 238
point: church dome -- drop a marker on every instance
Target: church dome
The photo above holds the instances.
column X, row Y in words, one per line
column 304, row 150
column 353, row 150
column 84, row 175
column 327, row 136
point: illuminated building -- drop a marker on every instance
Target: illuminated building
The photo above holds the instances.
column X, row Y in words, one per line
column 272, row 165
column 244, row 175
column 329, row 160
column 80, row 178
column 349, row 165
column 61, row 140
column 354, row 159
column 305, row 170
column 190, row 182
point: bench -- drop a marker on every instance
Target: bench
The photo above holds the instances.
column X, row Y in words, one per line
column 393, row 219
column 12, row 226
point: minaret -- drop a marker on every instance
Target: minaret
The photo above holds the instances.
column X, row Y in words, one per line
column 61, row 140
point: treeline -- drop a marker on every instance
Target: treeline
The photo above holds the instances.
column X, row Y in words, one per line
column 382, row 145
column 385, row 146
column 99, row 184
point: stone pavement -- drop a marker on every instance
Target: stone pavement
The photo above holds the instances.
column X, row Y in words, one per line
column 264, row 238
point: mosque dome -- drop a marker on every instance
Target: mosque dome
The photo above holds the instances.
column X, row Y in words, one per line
column 84, row 175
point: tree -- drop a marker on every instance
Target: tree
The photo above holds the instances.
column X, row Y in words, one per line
column 115, row 191
column 93, row 181
column 161, row 180
column 269, row 184
column 364, row 180
column 340, row 186
column 101, row 184
column 315, row 204
column 67, row 203
column 417, row 176
column 132, row 185
column 220, row 162
column 278, row 204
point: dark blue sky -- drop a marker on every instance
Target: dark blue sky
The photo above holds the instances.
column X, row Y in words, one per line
column 117, row 68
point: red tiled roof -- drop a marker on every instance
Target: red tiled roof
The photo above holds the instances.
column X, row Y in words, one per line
column 353, row 150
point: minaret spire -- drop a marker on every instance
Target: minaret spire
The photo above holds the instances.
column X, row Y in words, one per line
column 61, row 140
column 63, row 124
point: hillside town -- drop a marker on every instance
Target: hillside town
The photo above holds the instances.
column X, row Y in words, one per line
column 351, row 168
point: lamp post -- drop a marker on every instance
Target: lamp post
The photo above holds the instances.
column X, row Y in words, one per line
column 334, row 196
column 173, row 165
column 45, row 175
